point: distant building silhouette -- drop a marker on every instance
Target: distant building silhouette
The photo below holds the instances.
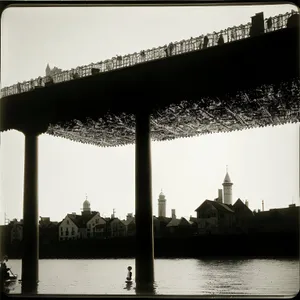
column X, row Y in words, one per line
column 162, row 205
column 227, row 189
column 243, row 216
column 50, row 72
column 214, row 217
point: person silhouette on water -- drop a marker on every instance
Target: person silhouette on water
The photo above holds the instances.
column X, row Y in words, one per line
column 129, row 274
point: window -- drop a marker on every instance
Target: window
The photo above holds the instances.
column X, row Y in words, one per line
column 97, row 221
column 68, row 222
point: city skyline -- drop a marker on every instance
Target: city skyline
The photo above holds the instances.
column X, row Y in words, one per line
column 188, row 170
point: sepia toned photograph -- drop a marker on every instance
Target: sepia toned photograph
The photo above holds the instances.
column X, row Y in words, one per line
column 150, row 150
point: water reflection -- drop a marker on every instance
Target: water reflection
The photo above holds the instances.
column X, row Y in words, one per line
column 221, row 260
column 172, row 277
column 29, row 287
column 7, row 288
column 128, row 286
column 145, row 289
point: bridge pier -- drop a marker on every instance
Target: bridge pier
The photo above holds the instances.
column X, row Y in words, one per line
column 144, row 261
column 30, row 258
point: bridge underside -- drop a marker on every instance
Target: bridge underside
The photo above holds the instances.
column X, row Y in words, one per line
column 271, row 104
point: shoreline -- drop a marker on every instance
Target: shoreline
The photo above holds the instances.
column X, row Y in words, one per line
column 202, row 247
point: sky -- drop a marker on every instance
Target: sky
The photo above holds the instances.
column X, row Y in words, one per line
column 263, row 163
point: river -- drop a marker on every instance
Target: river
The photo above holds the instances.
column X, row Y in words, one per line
column 172, row 276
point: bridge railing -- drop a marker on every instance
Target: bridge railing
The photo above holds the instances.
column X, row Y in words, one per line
column 228, row 35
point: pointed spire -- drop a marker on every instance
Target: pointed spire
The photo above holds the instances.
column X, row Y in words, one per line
column 227, row 178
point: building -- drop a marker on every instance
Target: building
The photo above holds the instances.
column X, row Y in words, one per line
column 277, row 220
column 161, row 226
column 48, row 230
column 161, row 205
column 116, row 228
column 16, row 231
column 4, row 236
column 214, row 218
column 82, row 226
column 243, row 216
column 179, row 227
column 130, row 225
column 156, row 227
column 68, row 228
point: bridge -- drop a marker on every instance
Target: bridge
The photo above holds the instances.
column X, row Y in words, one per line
column 228, row 35
column 241, row 77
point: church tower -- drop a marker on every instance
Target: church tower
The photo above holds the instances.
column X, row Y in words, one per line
column 227, row 189
column 161, row 205
column 86, row 207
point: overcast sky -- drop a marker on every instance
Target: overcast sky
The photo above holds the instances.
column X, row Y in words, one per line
column 263, row 163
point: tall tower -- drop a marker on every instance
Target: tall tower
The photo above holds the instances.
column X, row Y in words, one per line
column 162, row 205
column 86, row 207
column 227, row 188
column 48, row 70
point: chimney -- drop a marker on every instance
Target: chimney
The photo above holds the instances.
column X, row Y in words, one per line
column 74, row 213
column 247, row 203
column 113, row 214
column 220, row 195
column 262, row 205
column 173, row 214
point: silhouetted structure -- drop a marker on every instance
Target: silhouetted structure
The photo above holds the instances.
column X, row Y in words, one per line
column 69, row 110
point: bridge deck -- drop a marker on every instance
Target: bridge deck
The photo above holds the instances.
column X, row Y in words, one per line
column 208, row 81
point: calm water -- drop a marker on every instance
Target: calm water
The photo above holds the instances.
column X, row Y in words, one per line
column 173, row 276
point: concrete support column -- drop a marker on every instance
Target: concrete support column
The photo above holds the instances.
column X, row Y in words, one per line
column 144, row 262
column 30, row 216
